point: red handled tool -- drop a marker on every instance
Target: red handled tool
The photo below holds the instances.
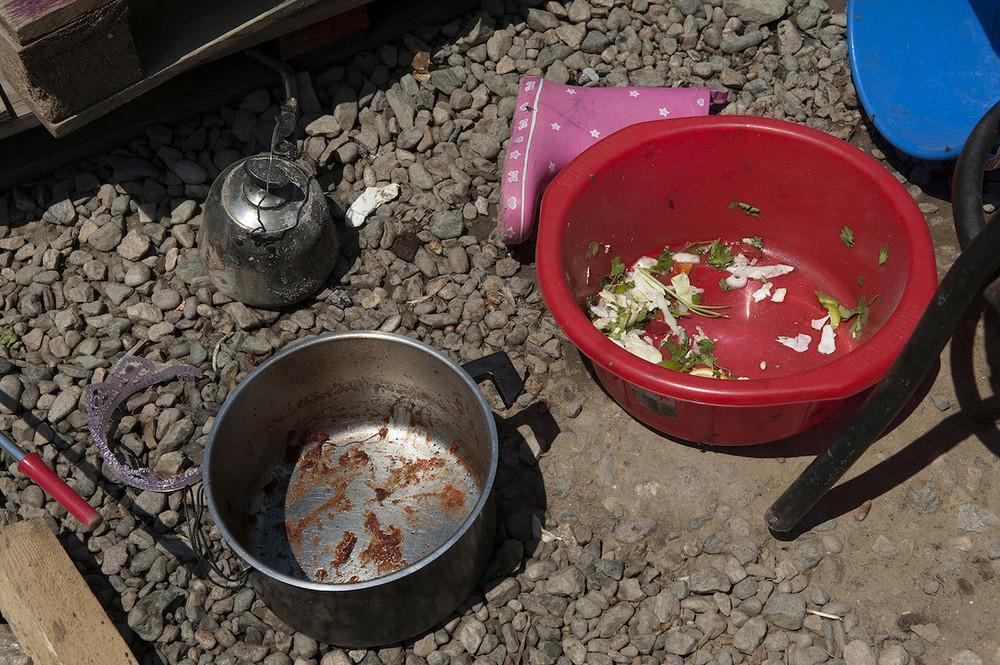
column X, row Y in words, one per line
column 33, row 467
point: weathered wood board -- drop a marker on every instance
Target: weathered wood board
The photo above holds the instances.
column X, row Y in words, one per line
column 55, row 616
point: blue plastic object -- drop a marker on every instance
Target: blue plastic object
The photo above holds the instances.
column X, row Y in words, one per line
column 925, row 70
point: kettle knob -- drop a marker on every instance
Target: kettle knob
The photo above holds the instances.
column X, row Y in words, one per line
column 268, row 183
column 266, row 173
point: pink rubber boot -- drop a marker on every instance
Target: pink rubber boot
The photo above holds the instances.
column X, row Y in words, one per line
column 554, row 123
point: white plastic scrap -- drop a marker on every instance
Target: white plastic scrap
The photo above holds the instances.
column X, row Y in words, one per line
column 369, row 200
column 818, row 323
column 685, row 257
column 763, row 292
column 742, row 270
column 763, row 365
column 828, row 341
column 799, row 343
column 637, row 345
column 779, row 295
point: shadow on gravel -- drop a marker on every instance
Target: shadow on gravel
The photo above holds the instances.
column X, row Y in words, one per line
column 977, row 416
column 521, row 502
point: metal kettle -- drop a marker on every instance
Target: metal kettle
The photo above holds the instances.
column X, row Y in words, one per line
column 267, row 238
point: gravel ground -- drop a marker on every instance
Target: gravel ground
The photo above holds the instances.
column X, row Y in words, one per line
column 101, row 256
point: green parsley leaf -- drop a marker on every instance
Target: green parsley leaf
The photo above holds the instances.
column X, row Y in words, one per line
column 664, row 262
column 751, row 210
column 756, row 241
column 719, row 256
column 592, row 249
column 883, row 254
column 724, row 285
column 847, row 236
column 617, row 274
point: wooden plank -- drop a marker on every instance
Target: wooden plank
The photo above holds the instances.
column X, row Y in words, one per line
column 324, row 33
column 26, row 20
column 75, row 66
column 181, row 39
column 55, row 616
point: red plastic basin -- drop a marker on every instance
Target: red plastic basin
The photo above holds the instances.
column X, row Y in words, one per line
column 669, row 182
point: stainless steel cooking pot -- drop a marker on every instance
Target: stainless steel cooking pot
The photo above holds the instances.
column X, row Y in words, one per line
column 353, row 473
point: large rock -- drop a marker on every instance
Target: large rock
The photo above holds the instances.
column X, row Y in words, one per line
column 755, row 11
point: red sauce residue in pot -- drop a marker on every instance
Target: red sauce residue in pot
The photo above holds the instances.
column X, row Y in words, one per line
column 344, row 548
column 384, row 550
column 452, row 499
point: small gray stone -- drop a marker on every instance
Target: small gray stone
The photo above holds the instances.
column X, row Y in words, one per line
column 166, row 299
column 566, row 582
column 303, row 646
column 924, row 496
column 789, row 38
column 191, row 173
column 146, row 617
column 742, row 42
column 893, row 654
column 679, row 642
column 595, row 42
column 975, row 519
column 447, row 224
column 578, row 11
column 940, row 402
column 470, row 634
column 965, row 657
column 613, row 619
column 448, row 80
column 858, row 653
column 785, row 610
column 134, row 245
column 709, row 580
column 750, row 635
column 106, row 237
column 151, row 503
column 503, row 592
column 324, row 125
column 64, row 403
column 420, row 177
column 33, row 495
column 541, row 20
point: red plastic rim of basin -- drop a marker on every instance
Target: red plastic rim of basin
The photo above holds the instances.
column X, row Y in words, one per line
column 841, row 378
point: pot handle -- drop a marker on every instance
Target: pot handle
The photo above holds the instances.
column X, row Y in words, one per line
column 500, row 371
column 201, row 545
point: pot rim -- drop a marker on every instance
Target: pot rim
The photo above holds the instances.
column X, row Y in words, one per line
column 484, row 496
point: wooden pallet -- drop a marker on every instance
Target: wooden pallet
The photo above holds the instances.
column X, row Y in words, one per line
column 168, row 38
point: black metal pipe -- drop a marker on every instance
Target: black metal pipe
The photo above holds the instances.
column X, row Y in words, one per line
column 967, row 194
column 972, row 270
column 288, row 79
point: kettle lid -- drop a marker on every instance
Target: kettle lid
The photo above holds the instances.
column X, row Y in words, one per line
column 265, row 193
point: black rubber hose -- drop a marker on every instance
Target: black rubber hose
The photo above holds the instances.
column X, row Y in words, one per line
column 288, row 79
column 967, row 191
column 972, row 270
